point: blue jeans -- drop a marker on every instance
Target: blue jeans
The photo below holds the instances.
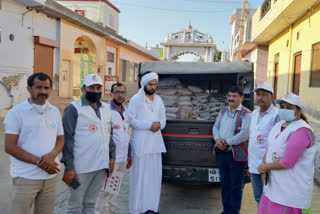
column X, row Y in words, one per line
column 257, row 186
column 232, row 174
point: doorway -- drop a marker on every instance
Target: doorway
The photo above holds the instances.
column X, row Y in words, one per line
column 296, row 73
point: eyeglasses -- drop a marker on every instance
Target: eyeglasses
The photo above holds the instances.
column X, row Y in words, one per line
column 124, row 93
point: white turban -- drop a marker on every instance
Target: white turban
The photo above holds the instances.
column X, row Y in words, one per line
column 147, row 78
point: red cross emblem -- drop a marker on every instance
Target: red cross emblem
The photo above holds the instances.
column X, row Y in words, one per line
column 260, row 139
column 275, row 157
column 116, row 127
column 288, row 96
column 93, row 128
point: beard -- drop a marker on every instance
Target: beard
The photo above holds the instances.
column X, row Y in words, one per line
column 117, row 103
column 40, row 98
column 149, row 92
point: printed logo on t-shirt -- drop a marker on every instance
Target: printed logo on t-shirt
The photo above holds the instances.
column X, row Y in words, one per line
column 260, row 139
column 93, row 128
column 52, row 125
column 275, row 157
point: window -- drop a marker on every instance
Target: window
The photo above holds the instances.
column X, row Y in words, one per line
column 110, row 71
column 123, row 64
column 315, row 66
column 80, row 12
column 298, row 35
column 111, row 20
column 99, row 70
column 110, row 57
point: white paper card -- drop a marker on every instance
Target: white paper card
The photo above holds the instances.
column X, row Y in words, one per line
column 113, row 182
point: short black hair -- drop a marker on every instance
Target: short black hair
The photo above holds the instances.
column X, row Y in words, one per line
column 118, row 84
column 236, row 89
column 39, row 76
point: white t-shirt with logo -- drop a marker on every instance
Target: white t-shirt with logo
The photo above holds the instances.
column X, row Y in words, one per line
column 37, row 135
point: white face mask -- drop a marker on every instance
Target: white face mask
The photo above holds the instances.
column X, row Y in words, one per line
column 40, row 108
column 287, row 115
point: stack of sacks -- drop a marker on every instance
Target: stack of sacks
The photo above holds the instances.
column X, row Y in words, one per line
column 215, row 104
column 184, row 102
column 168, row 92
column 200, row 102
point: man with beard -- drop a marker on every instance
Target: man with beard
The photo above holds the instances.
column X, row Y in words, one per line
column 231, row 133
column 263, row 119
column 146, row 117
column 89, row 152
column 106, row 203
column 33, row 139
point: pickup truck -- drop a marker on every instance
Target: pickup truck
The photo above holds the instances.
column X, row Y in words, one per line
column 190, row 157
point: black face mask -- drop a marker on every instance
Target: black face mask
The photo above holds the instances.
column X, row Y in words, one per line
column 93, row 96
column 116, row 102
column 148, row 92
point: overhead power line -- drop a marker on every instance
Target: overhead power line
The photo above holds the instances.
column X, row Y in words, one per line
column 172, row 10
column 215, row 1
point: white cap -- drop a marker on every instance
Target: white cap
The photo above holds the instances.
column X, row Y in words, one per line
column 92, row 79
column 264, row 86
column 290, row 98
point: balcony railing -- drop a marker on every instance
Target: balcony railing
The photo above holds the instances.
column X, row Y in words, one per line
column 265, row 7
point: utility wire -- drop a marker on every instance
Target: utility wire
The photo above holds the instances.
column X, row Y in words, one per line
column 173, row 10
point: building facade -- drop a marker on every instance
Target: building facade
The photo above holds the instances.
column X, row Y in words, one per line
column 29, row 44
column 255, row 53
column 291, row 29
column 100, row 11
column 131, row 55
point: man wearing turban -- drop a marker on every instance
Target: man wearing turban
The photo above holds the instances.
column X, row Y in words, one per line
column 147, row 117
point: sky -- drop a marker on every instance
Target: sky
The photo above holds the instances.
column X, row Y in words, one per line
column 150, row 21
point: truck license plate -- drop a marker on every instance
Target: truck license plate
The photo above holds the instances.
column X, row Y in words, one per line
column 214, row 175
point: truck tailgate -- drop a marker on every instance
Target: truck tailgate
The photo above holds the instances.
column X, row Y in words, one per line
column 189, row 143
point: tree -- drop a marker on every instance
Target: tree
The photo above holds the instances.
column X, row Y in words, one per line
column 217, row 56
column 200, row 60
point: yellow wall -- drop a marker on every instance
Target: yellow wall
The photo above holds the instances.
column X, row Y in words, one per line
column 133, row 56
column 308, row 27
column 68, row 35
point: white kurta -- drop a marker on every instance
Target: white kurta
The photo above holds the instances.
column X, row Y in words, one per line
column 147, row 146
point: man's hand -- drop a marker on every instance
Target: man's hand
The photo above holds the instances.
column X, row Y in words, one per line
column 111, row 165
column 219, row 144
column 68, row 177
column 155, row 126
column 263, row 176
column 129, row 163
column 262, row 168
column 47, row 163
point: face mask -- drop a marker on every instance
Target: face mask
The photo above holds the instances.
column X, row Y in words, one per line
column 93, row 96
column 287, row 115
column 40, row 108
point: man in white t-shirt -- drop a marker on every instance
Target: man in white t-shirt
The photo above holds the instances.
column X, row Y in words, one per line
column 34, row 138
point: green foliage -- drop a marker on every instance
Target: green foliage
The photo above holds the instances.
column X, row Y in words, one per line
column 217, row 56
